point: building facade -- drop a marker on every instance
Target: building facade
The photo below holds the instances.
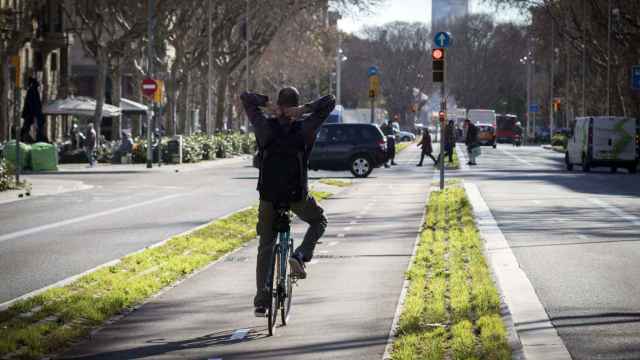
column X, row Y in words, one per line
column 443, row 11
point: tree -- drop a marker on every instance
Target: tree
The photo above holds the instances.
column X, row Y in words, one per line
column 16, row 29
column 106, row 29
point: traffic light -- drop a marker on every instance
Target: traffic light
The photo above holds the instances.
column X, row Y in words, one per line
column 437, row 55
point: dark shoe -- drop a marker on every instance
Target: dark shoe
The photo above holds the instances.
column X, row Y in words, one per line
column 297, row 267
column 473, row 164
column 419, row 165
column 387, row 165
column 470, row 163
column 393, row 163
column 260, row 311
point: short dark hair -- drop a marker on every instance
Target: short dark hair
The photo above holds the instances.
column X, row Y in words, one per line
column 288, row 97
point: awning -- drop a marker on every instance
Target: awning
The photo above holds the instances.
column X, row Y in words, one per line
column 79, row 106
column 131, row 107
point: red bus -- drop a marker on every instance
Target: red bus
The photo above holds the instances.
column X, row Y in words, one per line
column 505, row 128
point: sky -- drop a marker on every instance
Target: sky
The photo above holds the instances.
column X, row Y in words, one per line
column 410, row 11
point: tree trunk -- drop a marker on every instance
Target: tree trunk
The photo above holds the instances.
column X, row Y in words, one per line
column 172, row 100
column 101, row 84
column 4, row 98
column 221, row 92
column 116, row 80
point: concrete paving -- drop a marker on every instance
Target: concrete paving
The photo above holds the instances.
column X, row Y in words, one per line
column 344, row 310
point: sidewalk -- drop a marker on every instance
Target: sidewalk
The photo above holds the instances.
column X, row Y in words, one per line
column 140, row 168
column 344, row 310
column 42, row 187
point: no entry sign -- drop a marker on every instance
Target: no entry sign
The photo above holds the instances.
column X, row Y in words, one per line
column 149, row 87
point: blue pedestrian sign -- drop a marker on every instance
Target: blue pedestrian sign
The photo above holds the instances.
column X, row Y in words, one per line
column 534, row 108
column 635, row 77
column 372, row 71
column 442, row 40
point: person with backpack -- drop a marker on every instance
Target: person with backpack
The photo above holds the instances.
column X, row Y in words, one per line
column 286, row 139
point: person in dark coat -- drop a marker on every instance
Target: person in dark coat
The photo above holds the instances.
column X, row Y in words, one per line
column 427, row 148
column 32, row 113
column 471, row 140
column 286, row 140
column 449, row 140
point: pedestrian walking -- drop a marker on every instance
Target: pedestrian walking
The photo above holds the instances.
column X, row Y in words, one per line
column 91, row 144
column 388, row 131
column 427, row 148
column 449, row 140
column 471, row 140
column 286, row 140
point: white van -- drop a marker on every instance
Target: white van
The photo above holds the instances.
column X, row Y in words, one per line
column 482, row 116
column 604, row 141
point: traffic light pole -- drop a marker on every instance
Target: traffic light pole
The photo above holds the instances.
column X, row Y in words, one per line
column 443, row 125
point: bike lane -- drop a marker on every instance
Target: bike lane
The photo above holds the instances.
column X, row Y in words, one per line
column 344, row 310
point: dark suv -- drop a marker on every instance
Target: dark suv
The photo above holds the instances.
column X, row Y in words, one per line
column 355, row 147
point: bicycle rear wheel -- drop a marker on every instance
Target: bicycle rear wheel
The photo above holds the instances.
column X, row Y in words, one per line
column 288, row 284
column 273, row 291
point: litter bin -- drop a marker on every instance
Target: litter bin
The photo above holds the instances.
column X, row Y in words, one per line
column 174, row 149
column 44, row 157
column 9, row 153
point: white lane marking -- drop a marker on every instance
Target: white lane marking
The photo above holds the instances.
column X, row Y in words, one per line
column 239, row 334
column 537, row 202
column 353, row 222
column 5, row 305
column 348, row 228
column 341, row 235
column 38, row 229
column 313, row 262
column 359, row 217
column 462, row 158
column 333, row 243
column 323, row 252
column 583, row 237
column 517, row 158
column 618, row 212
column 537, row 334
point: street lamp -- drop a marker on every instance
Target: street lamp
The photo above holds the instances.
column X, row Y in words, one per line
column 528, row 60
column 339, row 59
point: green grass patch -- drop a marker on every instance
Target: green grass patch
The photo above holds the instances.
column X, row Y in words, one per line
column 336, row 182
column 402, row 145
column 452, row 308
column 49, row 322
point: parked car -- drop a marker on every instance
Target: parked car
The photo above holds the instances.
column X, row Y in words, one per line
column 487, row 134
column 358, row 148
column 604, row 141
column 406, row 136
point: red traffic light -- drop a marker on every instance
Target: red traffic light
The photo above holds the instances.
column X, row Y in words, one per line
column 437, row 54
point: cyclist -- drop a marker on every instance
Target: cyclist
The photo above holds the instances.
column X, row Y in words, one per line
column 286, row 139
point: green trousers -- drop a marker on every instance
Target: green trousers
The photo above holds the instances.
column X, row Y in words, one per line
column 308, row 211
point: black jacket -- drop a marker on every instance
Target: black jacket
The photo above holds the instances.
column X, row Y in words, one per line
column 266, row 128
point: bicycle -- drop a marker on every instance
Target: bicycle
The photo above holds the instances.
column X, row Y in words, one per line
column 280, row 280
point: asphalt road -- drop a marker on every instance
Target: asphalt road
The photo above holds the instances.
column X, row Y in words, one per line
column 576, row 236
column 343, row 310
column 46, row 239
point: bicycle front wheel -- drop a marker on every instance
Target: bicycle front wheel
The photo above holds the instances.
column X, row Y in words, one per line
column 273, row 291
column 288, row 285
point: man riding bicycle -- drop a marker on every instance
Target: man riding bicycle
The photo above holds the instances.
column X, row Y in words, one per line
column 285, row 143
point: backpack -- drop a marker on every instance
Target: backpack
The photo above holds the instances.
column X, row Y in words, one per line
column 282, row 176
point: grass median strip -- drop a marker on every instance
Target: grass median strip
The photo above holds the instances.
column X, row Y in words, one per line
column 336, row 182
column 49, row 322
column 452, row 308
